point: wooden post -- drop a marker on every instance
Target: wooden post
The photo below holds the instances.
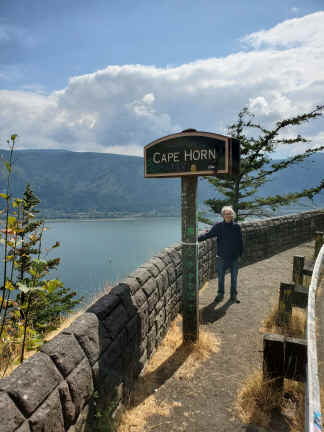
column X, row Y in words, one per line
column 284, row 357
column 298, row 267
column 319, row 240
column 190, row 299
column 273, row 360
column 295, row 359
column 285, row 303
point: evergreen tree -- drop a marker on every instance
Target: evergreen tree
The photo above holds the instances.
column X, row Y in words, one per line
column 256, row 167
column 51, row 299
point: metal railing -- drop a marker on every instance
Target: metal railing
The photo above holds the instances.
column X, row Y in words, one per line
column 313, row 417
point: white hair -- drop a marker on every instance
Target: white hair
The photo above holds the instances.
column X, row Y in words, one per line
column 228, row 208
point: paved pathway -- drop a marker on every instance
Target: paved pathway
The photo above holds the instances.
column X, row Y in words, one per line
column 207, row 399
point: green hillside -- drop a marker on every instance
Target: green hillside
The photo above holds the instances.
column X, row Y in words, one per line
column 101, row 185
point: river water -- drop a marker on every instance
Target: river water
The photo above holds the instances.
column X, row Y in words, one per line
column 94, row 252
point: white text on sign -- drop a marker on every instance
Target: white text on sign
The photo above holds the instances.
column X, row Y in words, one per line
column 187, row 155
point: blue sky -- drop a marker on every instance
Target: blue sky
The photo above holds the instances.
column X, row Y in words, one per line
column 112, row 76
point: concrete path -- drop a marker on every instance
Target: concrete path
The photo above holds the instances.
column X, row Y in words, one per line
column 205, row 402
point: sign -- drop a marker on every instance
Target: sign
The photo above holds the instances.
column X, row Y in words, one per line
column 191, row 153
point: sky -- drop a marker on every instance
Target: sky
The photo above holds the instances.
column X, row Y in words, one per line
column 112, row 76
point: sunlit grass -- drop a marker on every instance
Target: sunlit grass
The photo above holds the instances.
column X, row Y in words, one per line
column 294, row 328
column 259, row 401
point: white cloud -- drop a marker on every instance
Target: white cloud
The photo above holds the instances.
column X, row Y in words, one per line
column 307, row 30
column 122, row 108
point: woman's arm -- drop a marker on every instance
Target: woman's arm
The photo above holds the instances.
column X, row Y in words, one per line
column 211, row 233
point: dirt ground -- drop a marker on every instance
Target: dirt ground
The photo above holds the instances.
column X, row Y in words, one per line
column 206, row 401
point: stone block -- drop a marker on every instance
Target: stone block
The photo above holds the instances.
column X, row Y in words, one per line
column 168, row 294
column 151, row 268
column 131, row 356
column 132, row 284
column 179, row 270
column 31, row 383
column 104, row 306
column 149, row 287
column 171, row 274
column 143, row 316
column 65, row 352
column 175, row 255
column 110, row 359
column 152, row 300
column 160, row 334
column 159, row 305
column 151, row 341
column 48, row 417
column 174, row 289
column 123, row 292
column 141, row 363
column 81, row 385
column 133, row 327
column 11, row 417
column 116, row 321
column 160, row 318
column 68, row 408
column 151, row 320
column 141, row 275
column 24, row 427
column 162, row 282
column 91, row 335
column 139, row 298
column 158, row 263
column 164, row 257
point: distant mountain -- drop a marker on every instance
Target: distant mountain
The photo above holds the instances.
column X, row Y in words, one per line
column 71, row 184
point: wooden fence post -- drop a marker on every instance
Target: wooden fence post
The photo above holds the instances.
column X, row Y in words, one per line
column 285, row 303
column 283, row 357
column 298, row 267
column 273, row 360
column 319, row 240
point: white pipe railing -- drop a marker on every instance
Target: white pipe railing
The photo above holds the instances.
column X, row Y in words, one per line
column 313, row 417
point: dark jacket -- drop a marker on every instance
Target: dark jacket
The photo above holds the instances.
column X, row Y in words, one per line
column 229, row 240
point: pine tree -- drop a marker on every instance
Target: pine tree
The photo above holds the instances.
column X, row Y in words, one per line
column 256, row 167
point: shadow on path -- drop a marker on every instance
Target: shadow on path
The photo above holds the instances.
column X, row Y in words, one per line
column 148, row 384
column 209, row 314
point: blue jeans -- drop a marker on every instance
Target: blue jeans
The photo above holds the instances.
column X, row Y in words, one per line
column 221, row 269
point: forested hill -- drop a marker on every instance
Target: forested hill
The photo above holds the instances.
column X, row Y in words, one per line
column 97, row 184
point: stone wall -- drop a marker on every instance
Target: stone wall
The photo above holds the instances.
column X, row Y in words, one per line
column 87, row 371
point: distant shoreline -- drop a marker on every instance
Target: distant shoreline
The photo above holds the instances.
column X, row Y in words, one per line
column 105, row 219
column 142, row 216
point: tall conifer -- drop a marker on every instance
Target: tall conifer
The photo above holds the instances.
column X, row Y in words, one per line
column 256, row 167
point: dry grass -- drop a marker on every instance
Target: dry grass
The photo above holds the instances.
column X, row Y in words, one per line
column 134, row 420
column 258, row 402
column 295, row 328
column 171, row 359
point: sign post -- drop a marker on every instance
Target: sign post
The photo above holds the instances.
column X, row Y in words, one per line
column 189, row 154
column 190, row 276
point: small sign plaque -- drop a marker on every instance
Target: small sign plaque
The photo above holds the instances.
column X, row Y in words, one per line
column 191, row 153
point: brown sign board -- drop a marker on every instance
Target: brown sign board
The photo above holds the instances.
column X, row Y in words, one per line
column 192, row 153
